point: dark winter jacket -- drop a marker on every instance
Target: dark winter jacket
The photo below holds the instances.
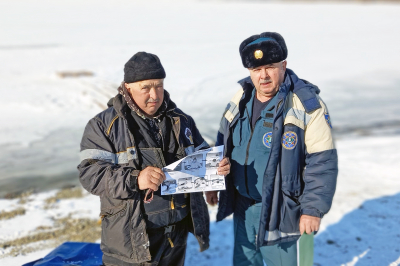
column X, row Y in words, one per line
column 112, row 155
column 301, row 170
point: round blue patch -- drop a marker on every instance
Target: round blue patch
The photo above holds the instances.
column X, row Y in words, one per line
column 289, row 140
column 328, row 119
column 267, row 139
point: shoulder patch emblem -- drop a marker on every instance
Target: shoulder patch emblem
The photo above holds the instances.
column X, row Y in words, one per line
column 289, row 140
column 188, row 135
column 328, row 119
column 267, row 139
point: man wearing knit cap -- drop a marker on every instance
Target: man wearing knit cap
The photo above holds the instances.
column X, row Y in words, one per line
column 277, row 134
column 123, row 150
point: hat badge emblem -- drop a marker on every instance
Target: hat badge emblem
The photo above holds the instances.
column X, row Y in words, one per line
column 258, row 54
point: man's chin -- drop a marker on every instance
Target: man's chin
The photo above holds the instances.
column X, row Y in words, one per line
column 151, row 111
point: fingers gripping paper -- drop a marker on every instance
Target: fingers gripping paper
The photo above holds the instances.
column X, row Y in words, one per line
column 194, row 173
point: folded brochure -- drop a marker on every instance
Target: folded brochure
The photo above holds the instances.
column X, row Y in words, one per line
column 194, row 173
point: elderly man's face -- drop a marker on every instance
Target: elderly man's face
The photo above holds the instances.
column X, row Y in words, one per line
column 147, row 94
column 267, row 79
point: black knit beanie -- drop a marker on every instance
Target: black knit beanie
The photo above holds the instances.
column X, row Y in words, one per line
column 143, row 66
column 263, row 49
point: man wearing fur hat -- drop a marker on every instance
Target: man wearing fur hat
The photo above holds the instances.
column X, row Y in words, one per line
column 123, row 150
column 277, row 134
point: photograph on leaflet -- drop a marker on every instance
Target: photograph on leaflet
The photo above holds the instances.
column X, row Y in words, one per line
column 194, row 173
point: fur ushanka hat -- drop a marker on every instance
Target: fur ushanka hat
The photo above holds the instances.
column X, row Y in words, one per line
column 263, row 49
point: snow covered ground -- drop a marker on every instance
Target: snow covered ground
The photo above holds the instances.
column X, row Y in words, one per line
column 351, row 51
column 362, row 227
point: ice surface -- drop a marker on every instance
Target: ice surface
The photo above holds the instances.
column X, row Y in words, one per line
column 350, row 51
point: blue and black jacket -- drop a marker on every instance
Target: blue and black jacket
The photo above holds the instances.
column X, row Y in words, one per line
column 302, row 166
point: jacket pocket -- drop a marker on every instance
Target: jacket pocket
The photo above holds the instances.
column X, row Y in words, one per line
column 290, row 210
column 114, row 238
column 109, row 212
column 290, row 214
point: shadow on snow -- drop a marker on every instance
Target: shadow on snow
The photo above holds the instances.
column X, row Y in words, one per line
column 369, row 235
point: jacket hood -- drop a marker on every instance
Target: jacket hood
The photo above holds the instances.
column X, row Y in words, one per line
column 123, row 103
column 298, row 84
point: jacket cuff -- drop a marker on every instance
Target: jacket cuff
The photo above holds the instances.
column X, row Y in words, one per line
column 134, row 181
column 312, row 212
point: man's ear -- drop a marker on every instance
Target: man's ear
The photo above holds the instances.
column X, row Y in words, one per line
column 284, row 65
column 127, row 87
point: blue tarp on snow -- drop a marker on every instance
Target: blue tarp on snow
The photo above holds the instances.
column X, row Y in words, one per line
column 71, row 253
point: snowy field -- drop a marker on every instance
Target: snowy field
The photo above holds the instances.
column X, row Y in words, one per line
column 62, row 61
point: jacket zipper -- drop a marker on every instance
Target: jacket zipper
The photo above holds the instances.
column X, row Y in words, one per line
column 158, row 121
column 172, row 203
column 247, row 155
column 277, row 112
column 172, row 208
column 171, row 213
column 170, row 241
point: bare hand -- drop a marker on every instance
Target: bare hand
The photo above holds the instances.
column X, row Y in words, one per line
column 212, row 197
column 151, row 177
column 224, row 166
column 309, row 224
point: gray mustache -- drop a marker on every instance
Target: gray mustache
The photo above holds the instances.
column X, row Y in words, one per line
column 152, row 101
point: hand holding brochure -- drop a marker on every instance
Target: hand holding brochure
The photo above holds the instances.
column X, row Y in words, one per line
column 196, row 172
